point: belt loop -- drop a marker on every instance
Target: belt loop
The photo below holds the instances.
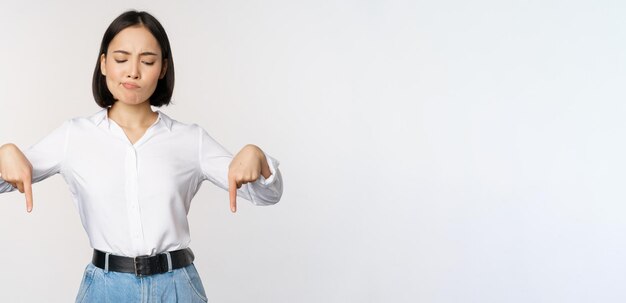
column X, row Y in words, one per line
column 169, row 261
column 106, row 262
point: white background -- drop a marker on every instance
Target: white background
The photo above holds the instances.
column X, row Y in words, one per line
column 432, row 151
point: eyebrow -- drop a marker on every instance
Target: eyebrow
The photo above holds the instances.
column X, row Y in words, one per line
column 142, row 54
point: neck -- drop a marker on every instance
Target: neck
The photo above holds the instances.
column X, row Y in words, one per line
column 132, row 116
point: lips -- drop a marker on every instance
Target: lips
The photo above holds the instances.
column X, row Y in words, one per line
column 129, row 85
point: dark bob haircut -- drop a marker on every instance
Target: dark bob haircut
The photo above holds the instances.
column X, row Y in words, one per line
column 165, row 86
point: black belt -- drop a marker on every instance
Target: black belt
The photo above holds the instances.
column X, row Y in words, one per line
column 144, row 265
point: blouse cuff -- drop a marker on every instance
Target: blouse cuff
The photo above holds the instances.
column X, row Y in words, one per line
column 5, row 187
column 273, row 164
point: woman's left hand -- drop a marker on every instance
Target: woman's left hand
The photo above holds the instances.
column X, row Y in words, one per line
column 246, row 166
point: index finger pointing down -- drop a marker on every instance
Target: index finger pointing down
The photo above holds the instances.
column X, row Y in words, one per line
column 232, row 190
column 28, row 190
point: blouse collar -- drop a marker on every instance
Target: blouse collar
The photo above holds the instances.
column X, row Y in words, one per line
column 103, row 117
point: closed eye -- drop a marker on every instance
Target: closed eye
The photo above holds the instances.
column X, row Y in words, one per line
column 120, row 61
column 148, row 63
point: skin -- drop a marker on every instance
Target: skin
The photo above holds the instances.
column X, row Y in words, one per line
column 132, row 66
column 16, row 170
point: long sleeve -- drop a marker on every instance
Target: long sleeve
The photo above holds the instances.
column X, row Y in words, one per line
column 5, row 187
column 46, row 156
column 214, row 162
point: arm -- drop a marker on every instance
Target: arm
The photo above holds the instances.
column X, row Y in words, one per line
column 37, row 163
column 16, row 172
column 249, row 165
column 217, row 166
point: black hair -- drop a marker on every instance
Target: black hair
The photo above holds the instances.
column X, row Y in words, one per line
column 165, row 86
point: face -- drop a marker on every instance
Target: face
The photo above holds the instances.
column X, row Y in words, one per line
column 133, row 65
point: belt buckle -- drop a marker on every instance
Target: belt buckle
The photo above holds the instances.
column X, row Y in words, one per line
column 136, row 260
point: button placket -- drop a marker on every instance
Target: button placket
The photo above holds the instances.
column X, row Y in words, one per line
column 132, row 199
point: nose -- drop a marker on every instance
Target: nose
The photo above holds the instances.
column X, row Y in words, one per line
column 133, row 73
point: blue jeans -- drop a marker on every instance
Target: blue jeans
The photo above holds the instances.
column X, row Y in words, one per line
column 179, row 285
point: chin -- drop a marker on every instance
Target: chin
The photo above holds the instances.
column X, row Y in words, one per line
column 131, row 101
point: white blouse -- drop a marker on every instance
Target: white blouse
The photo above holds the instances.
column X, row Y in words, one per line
column 133, row 199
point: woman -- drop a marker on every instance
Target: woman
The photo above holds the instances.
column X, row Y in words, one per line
column 132, row 172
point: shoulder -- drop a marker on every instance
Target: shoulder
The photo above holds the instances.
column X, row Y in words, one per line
column 184, row 128
column 94, row 118
column 178, row 126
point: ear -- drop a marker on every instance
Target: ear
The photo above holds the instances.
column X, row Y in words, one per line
column 163, row 69
column 103, row 68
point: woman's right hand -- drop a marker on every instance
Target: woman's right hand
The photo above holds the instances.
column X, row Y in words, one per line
column 16, row 170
